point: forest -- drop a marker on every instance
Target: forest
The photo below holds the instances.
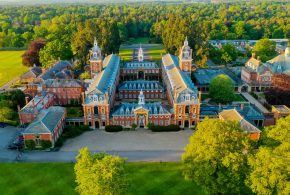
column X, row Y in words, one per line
column 67, row 31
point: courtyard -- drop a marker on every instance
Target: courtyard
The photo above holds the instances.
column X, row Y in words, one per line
column 139, row 140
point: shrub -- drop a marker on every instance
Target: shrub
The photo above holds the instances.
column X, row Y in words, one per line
column 30, row 144
column 158, row 128
column 113, row 128
column 46, row 144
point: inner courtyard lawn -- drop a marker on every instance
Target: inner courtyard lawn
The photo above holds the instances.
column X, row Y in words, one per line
column 59, row 178
column 126, row 53
column 10, row 65
column 155, row 52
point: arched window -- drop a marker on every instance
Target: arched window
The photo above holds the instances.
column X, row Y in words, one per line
column 187, row 109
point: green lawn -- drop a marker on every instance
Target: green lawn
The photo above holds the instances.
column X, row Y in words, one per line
column 10, row 65
column 237, row 97
column 156, row 51
column 141, row 40
column 76, row 111
column 126, row 53
column 58, row 178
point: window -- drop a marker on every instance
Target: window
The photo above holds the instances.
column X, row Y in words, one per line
column 187, row 97
column 37, row 140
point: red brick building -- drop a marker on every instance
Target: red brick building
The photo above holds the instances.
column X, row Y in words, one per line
column 30, row 111
column 66, row 91
column 48, row 126
column 281, row 81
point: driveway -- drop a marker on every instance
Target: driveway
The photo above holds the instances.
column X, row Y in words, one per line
column 139, row 140
column 6, row 135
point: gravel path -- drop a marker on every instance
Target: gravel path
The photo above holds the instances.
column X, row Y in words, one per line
column 140, row 140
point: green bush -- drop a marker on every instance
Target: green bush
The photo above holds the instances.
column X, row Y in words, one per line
column 45, row 144
column 30, row 144
column 113, row 128
column 158, row 128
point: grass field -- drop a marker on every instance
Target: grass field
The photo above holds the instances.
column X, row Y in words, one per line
column 126, row 53
column 58, row 178
column 141, row 40
column 10, row 65
column 155, row 52
column 237, row 97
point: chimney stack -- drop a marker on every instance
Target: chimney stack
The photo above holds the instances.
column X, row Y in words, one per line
column 26, row 100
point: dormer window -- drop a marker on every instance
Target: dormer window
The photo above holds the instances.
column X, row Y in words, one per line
column 187, row 97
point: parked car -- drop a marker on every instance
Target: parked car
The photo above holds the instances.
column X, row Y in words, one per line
column 2, row 125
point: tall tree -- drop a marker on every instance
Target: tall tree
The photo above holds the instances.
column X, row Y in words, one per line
column 100, row 173
column 216, row 157
column 31, row 55
column 221, row 89
column 265, row 49
column 270, row 165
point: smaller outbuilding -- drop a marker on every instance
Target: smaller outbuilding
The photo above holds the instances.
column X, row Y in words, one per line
column 234, row 115
column 45, row 130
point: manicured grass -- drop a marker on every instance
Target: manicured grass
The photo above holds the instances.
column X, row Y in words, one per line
column 10, row 65
column 237, row 97
column 141, row 40
column 126, row 53
column 58, row 178
column 155, row 52
column 74, row 111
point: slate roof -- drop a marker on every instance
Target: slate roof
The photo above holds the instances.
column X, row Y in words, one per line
column 64, row 83
column 46, row 121
column 248, row 111
column 178, row 80
column 37, row 101
column 234, row 115
column 205, row 75
column 141, row 84
column 105, row 79
column 60, row 66
column 281, row 63
column 32, row 73
column 127, row 109
column 138, row 65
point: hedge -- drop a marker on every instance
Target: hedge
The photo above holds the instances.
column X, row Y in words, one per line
column 45, row 144
column 71, row 131
column 113, row 128
column 30, row 144
column 158, row 128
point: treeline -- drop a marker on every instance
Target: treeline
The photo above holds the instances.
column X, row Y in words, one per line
column 113, row 24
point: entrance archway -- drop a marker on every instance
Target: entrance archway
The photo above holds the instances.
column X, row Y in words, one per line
column 244, row 88
column 141, row 75
column 186, row 124
column 97, row 124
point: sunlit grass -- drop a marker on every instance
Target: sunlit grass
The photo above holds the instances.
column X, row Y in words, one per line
column 10, row 65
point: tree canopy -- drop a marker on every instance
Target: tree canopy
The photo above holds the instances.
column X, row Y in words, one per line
column 216, row 157
column 265, row 49
column 222, row 89
column 270, row 166
column 99, row 173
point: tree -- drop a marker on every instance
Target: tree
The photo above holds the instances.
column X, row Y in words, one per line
column 99, row 173
column 31, row 56
column 85, row 75
column 134, row 126
column 229, row 53
column 270, row 165
column 265, row 49
column 222, row 89
column 6, row 114
column 216, row 157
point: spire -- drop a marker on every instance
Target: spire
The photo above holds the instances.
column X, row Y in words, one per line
column 140, row 54
column 141, row 98
column 95, row 42
column 186, row 41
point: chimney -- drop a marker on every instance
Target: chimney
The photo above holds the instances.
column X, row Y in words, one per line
column 33, row 102
column 83, row 97
column 220, row 106
column 253, row 55
column 18, row 108
column 26, row 100
column 242, row 106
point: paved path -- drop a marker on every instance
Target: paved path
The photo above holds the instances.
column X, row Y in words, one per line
column 140, row 145
column 252, row 100
column 139, row 140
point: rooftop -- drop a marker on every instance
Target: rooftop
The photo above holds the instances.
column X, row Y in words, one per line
column 141, row 84
column 46, row 121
